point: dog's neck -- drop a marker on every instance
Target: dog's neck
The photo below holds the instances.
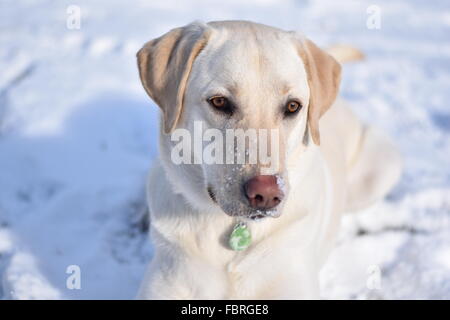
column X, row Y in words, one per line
column 203, row 229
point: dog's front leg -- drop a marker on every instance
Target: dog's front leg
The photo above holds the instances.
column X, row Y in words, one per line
column 176, row 276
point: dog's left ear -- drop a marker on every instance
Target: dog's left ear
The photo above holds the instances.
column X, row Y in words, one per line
column 164, row 66
column 324, row 77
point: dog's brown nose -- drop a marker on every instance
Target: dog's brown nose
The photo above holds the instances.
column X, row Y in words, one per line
column 263, row 192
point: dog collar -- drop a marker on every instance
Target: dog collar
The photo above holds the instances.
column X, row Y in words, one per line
column 240, row 238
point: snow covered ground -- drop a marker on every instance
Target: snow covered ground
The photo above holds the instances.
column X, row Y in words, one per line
column 78, row 133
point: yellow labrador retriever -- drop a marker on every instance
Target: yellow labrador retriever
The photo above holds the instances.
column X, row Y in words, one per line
column 249, row 230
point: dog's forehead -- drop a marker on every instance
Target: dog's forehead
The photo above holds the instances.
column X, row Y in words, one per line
column 239, row 52
column 247, row 30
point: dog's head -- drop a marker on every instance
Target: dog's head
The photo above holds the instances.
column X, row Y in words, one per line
column 253, row 95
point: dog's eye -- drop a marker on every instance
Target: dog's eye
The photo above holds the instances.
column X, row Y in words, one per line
column 292, row 107
column 221, row 104
column 218, row 102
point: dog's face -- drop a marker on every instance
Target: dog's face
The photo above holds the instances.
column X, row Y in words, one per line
column 261, row 91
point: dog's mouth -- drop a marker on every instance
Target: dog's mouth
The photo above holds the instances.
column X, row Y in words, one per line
column 259, row 215
column 211, row 194
column 256, row 215
column 247, row 213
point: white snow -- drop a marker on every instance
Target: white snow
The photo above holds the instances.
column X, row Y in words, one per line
column 78, row 133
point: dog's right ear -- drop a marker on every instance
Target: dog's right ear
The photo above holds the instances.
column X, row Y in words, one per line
column 164, row 66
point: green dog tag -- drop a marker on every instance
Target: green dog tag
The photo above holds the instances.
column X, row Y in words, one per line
column 240, row 238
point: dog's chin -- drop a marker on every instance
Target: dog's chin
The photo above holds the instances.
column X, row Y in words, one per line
column 240, row 210
column 262, row 214
column 250, row 214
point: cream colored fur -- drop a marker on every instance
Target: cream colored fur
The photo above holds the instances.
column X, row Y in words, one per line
column 353, row 166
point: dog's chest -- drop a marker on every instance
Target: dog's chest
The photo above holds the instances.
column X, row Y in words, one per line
column 269, row 268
